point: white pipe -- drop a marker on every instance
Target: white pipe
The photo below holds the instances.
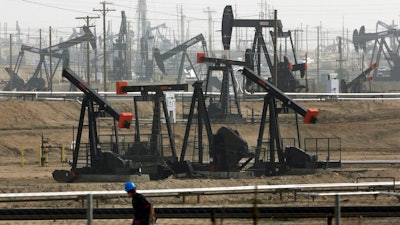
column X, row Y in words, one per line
column 212, row 190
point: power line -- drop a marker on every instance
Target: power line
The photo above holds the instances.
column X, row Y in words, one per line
column 53, row 6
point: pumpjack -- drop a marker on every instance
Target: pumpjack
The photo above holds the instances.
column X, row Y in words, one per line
column 381, row 47
column 145, row 64
column 229, row 149
column 226, row 147
column 355, row 86
column 118, row 160
column 154, row 156
column 286, row 81
column 292, row 157
column 221, row 108
column 59, row 51
column 160, row 58
column 97, row 164
column 121, row 65
column 229, row 154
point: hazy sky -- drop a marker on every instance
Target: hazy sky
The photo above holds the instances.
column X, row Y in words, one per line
column 304, row 14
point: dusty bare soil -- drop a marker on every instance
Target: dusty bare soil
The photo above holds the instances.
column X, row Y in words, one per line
column 367, row 130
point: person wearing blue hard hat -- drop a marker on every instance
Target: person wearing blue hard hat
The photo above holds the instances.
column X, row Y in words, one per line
column 142, row 207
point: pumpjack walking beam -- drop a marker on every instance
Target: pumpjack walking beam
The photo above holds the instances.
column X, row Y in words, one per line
column 310, row 115
column 124, row 119
column 180, row 48
column 61, row 51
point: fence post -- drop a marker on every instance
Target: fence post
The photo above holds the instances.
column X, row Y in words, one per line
column 47, row 158
column 40, row 157
column 255, row 208
column 62, row 153
column 89, row 212
column 337, row 209
column 22, row 156
column 252, row 115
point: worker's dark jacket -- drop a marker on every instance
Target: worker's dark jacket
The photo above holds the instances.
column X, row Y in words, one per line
column 142, row 209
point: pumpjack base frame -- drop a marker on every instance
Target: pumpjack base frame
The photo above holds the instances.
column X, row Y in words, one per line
column 67, row 176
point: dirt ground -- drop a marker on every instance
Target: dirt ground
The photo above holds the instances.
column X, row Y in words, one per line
column 367, row 130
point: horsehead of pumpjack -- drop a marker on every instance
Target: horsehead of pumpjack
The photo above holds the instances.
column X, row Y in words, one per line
column 227, row 24
column 360, row 39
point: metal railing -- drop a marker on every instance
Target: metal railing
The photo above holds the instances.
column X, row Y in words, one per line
column 359, row 186
column 32, row 95
column 250, row 212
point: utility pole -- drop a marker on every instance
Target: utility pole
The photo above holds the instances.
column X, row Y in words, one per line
column 87, row 18
column 51, row 61
column 129, row 50
column 296, row 38
column 187, row 30
column 95, row 57
column 263, row 13
column 11, row 80
column 341, row 74
column 141, row 22
column 104, row 11
column 318, row 54
column 182, row 26
column 40, row 47
column 301, row 38
column 275, row 73
column 237, row 38
column 11, row 51
column 0, row 46
column 306, row 75
column 209, row 12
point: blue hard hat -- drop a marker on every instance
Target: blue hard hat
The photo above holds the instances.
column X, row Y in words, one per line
column 129, row 186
